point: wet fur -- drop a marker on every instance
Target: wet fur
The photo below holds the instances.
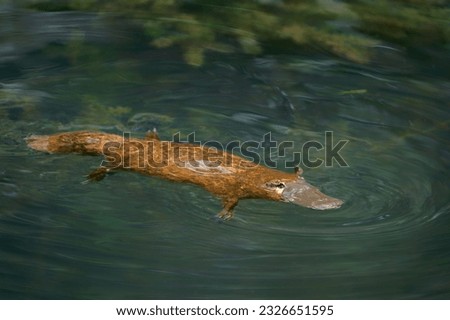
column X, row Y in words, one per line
column 235, row 179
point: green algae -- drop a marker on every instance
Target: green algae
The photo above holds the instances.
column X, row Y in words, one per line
column 411, row 23
column 353, row 91
column 201, row 26
column 94, row 112
column 345, row 29
column 19, row 103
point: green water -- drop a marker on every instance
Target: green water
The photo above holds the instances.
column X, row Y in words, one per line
column 137, row 237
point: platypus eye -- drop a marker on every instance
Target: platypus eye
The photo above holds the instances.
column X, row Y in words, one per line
column 281, row 185
column 277, row 184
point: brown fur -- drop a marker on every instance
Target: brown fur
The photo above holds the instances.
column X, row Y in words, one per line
column 234, row 179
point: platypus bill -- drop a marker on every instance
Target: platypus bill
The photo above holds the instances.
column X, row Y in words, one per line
column 228, row 176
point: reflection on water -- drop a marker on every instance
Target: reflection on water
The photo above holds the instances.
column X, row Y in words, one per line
column 137, row 237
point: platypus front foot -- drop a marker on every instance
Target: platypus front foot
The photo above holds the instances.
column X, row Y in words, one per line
column 228, row 206
column 225, row 214
column 98, row 174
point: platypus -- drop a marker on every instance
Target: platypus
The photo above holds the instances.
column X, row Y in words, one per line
column 228, row 176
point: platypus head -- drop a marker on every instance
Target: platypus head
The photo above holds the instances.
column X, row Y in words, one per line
column 302, row 193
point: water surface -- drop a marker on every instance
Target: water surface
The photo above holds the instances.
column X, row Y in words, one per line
column 137, row 237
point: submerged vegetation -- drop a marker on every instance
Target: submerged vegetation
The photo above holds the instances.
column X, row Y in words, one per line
column 346, row 29
column 410, row 23
column 349, row 30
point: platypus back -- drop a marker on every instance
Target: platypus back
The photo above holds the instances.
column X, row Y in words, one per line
column 84, row 142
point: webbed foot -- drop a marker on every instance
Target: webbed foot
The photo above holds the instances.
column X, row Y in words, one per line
column 227, row 211
column 97, row 175
column 152, row 135
column 225, row 215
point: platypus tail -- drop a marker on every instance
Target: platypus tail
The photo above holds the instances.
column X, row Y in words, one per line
column 39, row 143
column 84, row 142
